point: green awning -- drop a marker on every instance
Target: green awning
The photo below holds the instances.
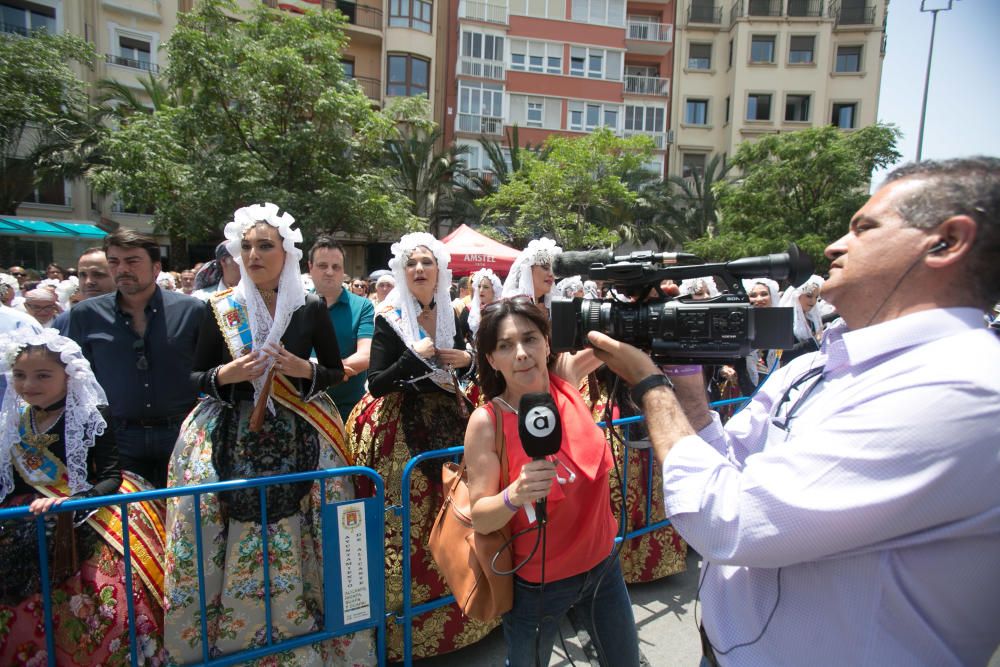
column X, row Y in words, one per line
column 52, row 229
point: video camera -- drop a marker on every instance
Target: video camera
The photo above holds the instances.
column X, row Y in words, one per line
column 716, row 330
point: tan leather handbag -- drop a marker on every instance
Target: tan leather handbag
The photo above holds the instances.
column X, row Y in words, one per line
column 465, row 556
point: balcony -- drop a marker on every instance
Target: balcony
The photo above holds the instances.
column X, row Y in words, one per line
column 486, row 12
column 361, row 15
column 647, row 85
column 371, row 87
column 476, row 124
column 756, row 9
column 131, row 63
column 659, row 138
column 852, row 15
column 805, row 8
column 14, row 29
column 702, row 13
column 483, row 69
column 649, row 38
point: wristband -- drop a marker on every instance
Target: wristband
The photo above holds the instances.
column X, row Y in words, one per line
column 506, row 500
column 682, row 371
column 641, row 387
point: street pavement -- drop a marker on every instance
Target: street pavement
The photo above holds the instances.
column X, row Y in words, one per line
column 664, row 615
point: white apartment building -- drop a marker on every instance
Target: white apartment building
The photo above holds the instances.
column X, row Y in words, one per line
column 746, row 68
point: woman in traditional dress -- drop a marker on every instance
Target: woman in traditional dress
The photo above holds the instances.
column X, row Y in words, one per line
column 807, row 323
column 486, row 288
column 763, row 293
column 54, row 446
column 414, row 404
column 266, row 322
column 531, row 273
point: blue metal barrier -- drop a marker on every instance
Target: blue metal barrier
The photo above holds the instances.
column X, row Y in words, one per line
column 333, row 611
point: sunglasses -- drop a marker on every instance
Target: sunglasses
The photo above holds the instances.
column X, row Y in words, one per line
column 141, row 362
column 519, row 299
column 19, row 275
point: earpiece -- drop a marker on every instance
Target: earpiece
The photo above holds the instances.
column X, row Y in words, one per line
column 564, row 480
column 938, row 247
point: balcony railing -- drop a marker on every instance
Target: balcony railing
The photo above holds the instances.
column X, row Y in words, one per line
column 121, row 61
column 361, row 15
column 477, row 124
column 659, row 138
column 482, row 11
column 371, row 87
column 647, row 85
column 484, row 69
column 755, row 8
column 650, row 32
column 805, row 8
column 14, row 29
column 852, row 15
column 699, row 13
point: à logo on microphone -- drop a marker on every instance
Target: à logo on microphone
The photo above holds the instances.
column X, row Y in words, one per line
column 540, row 421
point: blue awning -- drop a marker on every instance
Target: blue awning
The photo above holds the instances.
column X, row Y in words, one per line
column 52, row 229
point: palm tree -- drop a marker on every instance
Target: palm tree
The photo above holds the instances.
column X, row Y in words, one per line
column 423, row 173
column 698, row 194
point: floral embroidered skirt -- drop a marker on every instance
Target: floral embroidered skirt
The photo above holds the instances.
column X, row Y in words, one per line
column 89, row 608
column 377, row 432
column 215, row 444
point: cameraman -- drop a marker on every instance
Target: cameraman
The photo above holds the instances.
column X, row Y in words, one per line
column 850, row 515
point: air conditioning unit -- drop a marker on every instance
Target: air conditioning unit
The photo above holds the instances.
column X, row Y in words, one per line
column 670, row 137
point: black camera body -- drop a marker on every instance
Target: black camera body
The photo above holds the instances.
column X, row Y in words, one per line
column 717, row 330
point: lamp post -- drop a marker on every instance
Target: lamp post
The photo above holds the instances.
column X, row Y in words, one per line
column 927, row 76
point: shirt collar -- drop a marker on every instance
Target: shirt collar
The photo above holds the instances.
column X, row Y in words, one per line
column 841, row 344
column 155, row 301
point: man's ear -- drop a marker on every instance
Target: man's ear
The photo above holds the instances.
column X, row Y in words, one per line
column 959, row 234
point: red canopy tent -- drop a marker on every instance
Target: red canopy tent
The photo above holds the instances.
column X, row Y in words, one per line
column 471, row 251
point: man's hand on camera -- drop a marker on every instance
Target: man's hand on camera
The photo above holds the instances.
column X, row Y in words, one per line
column 629, row 363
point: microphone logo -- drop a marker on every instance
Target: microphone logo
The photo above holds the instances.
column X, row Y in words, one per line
column 540, row 421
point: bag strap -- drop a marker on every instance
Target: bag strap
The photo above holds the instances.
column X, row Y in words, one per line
column 500, row 443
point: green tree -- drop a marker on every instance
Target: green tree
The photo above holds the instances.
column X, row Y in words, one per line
column 698, row 196
column 266, row 115
column 801, row 186
column 44, row 111
column 569, row 192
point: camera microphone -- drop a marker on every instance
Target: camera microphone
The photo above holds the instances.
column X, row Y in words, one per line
column 540, row 430
column 580, row 262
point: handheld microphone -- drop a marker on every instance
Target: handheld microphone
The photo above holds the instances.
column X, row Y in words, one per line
column 540, row 430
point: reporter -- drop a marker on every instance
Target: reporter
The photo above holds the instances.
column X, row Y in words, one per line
column 842, row 520
column 578, row 566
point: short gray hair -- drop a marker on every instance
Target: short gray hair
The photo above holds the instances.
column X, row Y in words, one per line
column 964, row 186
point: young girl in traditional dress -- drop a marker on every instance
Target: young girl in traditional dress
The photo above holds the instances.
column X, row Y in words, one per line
column 55, row 445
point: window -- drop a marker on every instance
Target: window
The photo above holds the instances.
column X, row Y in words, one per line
column 759, row 106
column 609, row 12
column 800, row 50
column 700, row 56
column 641, row 118
column 595, row 63
column 552, row 9
column 414, row 14
column 848, row 59
column 762, row 49
column 591, row 115
column 730, row 54
column 797, row 108
column 844, row 115
column 133, row 53
column 696, row 112
column 482, row 45
column 408, row 76
column 535, row 112
column 692, row 163
column 348, row 66
column 23, row 17
column 727, row 109
column 480, row 99
column 533, row 56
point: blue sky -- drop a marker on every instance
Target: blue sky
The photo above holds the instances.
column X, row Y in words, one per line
column 963, row 102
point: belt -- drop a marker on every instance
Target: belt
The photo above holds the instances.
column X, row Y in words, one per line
column 150, row 422
column 706, row 648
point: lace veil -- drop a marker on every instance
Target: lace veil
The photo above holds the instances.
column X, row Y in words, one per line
column 475, row 307
column 402, row 299
column 519, row 281
column 291, row 294
column 83, row 423
column 799, row 323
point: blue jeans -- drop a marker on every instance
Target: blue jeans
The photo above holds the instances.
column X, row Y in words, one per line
column 608, row 604
column 146, row 450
